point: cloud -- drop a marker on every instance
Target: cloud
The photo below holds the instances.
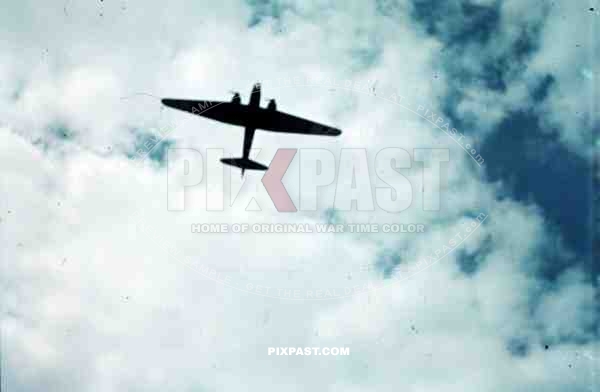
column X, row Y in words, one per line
column 515, row 56
column 103, row 288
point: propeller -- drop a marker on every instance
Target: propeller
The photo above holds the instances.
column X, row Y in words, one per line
column 271, row 101
column 236, row 97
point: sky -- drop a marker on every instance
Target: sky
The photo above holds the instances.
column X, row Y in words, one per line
column 105, row 289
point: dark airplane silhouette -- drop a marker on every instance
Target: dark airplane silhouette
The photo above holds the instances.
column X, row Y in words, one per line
column 251, row 117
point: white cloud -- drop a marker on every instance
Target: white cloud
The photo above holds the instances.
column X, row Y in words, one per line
column 503, row 70
column 102, row 286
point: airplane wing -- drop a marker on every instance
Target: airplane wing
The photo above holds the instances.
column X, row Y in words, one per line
column 276, row 121
column 249, row 116
column 227, row 112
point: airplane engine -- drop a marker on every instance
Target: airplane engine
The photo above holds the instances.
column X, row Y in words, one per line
column 272, row 105
column 236, row 99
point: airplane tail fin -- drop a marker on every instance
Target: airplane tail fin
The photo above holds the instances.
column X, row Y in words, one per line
column 244, row 164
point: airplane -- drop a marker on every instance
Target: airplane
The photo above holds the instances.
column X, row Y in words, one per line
column 251, row 117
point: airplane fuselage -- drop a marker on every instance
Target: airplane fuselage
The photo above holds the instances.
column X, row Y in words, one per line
column 255, row 96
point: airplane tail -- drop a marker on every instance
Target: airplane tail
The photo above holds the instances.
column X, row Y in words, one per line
column 244, row 164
